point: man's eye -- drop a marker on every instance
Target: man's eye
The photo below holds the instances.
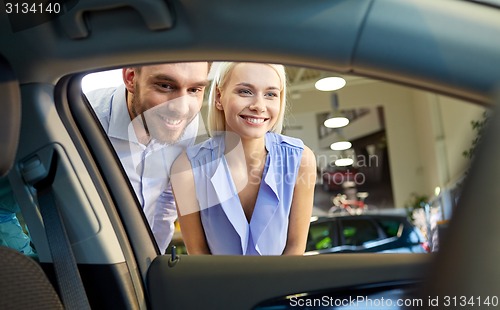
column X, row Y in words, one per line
column 196, row 90
column 165, row 86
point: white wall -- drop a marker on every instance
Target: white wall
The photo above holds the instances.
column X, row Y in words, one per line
column 450, row 130
column 457, row 117
column 426, row 133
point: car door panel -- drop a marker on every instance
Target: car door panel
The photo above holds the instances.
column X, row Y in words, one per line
column 79, row 202
column 188, row 282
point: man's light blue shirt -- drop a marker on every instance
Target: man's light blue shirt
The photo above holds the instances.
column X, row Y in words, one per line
column 147, row 166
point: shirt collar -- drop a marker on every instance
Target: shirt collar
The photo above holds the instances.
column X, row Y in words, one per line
column 120, row 125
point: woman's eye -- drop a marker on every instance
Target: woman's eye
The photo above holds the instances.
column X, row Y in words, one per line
column 244, row 92
column 272, row 94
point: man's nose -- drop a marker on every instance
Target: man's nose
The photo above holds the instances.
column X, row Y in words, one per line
column 180, row 105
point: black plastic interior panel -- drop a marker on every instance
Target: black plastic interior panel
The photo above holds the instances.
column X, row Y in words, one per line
column 435, row 51
column 170, row 284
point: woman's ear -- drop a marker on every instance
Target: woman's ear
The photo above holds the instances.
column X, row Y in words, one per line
column 128, row 75
column 218, row 104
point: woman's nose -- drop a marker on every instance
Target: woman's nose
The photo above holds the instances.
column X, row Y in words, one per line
column 258, row 105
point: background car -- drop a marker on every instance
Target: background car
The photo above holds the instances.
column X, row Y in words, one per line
column 364, row 233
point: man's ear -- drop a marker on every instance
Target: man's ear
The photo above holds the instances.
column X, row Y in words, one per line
column 128, row 75
column 218, row 104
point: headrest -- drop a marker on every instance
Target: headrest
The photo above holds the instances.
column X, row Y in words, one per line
column 10, row 116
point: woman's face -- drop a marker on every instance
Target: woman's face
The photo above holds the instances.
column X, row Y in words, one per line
column 250, row 100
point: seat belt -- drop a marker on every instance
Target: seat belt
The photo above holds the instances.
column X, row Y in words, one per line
column 70, row 284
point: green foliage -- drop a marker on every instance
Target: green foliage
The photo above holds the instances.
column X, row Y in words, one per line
column 478, row 126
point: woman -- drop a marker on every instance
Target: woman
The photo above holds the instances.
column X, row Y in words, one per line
column 254, row 187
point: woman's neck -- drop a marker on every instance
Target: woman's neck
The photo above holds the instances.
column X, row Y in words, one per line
column 254, row 150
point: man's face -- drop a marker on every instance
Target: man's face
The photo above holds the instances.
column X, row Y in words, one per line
column 167, row 97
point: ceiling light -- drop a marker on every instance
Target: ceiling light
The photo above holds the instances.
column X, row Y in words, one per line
column 336, row 122
column 337, row 119
column 340, row 142
column 342, row 162
column 330, row 84
column 341, row 145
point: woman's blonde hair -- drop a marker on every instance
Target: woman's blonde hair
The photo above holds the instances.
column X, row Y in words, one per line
column 216, row 121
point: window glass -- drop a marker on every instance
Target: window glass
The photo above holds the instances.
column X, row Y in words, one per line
column 404, row 149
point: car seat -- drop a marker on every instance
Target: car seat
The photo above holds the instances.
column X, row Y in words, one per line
column 23, row 284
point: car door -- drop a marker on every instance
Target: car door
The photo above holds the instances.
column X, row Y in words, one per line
column 226, row 281
column 169, row 278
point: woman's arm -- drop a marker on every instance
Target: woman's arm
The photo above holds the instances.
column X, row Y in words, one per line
column 302, row 203
column 188, row 208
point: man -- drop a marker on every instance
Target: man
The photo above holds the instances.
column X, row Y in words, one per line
column 150, row 120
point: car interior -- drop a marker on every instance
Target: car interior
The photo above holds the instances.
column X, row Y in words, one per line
column 431, row 65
